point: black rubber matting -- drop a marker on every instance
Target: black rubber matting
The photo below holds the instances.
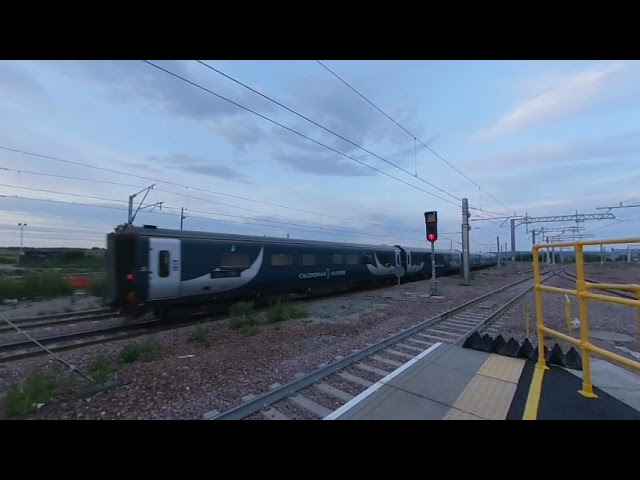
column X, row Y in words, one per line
column 560, row 400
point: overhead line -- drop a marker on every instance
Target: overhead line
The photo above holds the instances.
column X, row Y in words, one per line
column 293, row 131
column 183, row 186
column 323, row 127
column 330, row 230
column 191, row 197
column 408, row 132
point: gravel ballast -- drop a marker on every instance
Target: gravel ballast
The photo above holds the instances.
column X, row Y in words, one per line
column 612, row 327
column 187, row 378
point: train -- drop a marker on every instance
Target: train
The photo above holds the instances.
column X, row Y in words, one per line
column 156, row 270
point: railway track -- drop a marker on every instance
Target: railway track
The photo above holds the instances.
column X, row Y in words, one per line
column 72, row 318
column 322, row 393
column 26, row 347
column 613, row 292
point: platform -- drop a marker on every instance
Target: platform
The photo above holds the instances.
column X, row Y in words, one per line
column 452, row 383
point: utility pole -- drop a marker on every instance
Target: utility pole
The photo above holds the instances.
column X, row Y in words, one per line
column 498, row 242
column 465, row 240
column 182, row 217
column 513, row 241
column 132, row 215
column 21, row 225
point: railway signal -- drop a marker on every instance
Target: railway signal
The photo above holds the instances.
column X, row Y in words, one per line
column 431, row 219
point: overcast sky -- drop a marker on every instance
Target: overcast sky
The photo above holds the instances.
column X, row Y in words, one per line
column 538, row 137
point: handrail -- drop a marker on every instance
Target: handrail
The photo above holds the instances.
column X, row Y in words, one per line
column 582, row 294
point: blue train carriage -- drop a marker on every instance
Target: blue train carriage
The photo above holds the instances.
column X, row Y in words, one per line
column 155, row 268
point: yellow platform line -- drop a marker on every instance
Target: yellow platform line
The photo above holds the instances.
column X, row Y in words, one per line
column 535, row 391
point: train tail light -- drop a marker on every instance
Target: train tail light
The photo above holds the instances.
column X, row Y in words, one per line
column 130, row 277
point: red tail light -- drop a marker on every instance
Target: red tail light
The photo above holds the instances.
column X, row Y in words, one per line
column 130, row 277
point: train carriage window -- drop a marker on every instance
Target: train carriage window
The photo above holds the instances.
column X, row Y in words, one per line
column 163, row 263
column 352, row 259
column 308, row 259
column 281, row 259
column 365, row 260
column 337, row 259
column 237, row 260
column 383, row 258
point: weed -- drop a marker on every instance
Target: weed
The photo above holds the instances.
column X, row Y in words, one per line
column 100, row 369
column 146, row 352
column 39, row 387
column 201, row 335
column 285, row 311
column 242, row 309
column 98, row 287
column 242, row 315
column 251, row 330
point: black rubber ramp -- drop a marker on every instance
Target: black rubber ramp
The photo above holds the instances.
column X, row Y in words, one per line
column 559, row 399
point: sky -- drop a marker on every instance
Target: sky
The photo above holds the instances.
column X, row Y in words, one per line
column 515, row 138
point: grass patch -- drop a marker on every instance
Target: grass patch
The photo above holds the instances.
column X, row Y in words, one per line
column 146, row 352
column 39, row 387
column 48, row 285
column 243, row 316
column 285, row 311
column 101, row 369
column 201, row 335
column 98, row 287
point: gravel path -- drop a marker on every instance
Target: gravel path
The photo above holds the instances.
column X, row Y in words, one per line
column 187, row 378
column 612, row 327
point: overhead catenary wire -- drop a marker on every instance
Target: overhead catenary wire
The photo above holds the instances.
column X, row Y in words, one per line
column 408, row 132
column 264, row 117
column 142, row 177
column 324, row 128
column 264, row 223
column 69, row 177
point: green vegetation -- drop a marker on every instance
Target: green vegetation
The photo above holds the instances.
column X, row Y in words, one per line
column 244, row 318
column 100, row 369
column 201, row 335
column 39, row 388
column 47, row 285
column 285, row 311
column 98, row 287
column 146, row 352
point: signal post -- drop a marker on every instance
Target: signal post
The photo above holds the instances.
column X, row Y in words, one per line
column 431, row 220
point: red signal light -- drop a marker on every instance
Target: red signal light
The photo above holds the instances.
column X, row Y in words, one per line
column 130, row 277
column 431, row 237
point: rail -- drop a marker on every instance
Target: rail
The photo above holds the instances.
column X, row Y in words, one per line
column 582, row 293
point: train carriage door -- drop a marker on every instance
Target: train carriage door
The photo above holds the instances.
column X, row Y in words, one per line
column 164, row 268
column 401, row 258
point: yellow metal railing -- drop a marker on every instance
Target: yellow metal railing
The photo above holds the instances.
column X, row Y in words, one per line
column 582, row 294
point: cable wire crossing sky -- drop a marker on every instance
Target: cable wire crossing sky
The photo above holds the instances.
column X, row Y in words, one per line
column 349, row 151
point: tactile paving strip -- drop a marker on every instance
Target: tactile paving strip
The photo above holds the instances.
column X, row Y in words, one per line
column 502, row 368
column 487, row 398
column 454, row 414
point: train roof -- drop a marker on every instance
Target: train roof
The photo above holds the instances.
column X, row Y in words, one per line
column 165, row 232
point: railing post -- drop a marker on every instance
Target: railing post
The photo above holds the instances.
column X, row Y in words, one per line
column 581, row 290
column 539, row 312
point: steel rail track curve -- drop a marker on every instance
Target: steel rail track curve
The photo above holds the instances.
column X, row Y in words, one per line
column 45, row 323
column 459, row 319
column 613, row 292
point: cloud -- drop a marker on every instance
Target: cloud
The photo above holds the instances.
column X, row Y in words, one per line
column 567, row 96
column 195, row 164
column 128, row 81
